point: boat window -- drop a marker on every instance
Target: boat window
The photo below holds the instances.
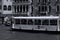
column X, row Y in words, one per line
column 37, row 22
column 45, row 22
column 30, row 22
column 17, row 21
column 53, row 22
column 24, row 21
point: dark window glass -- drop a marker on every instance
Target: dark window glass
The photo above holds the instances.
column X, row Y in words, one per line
column 5, row 7
column 43, row 8
column 17, row 21
column 30, row 22
column 17, row 8
column 44, row 2
column 37, row 22
column 20, row 0
column 32, row 9
column 24, row 21
column 39, row 0
column 26, row 0
column 9, row 7
column 15, row 0
column 58, row 8
column 42, row 14
column 39, row 8
column 23, row 0
column 0, row 6
column 21, row 8
column 53, row 22
column 49, row 8
column 27, row 8
column 45, row 22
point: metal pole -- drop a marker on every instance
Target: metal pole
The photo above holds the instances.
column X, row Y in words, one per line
column 58, row 24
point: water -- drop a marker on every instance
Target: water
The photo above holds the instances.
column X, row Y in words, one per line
column 6, row 34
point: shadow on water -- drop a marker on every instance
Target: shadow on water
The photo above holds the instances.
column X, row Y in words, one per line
column 31, row 31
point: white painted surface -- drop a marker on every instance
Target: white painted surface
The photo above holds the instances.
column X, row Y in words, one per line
column 42, row 17
column 7, row 3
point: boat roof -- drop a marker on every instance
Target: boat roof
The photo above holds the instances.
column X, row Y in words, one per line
column 41, row 17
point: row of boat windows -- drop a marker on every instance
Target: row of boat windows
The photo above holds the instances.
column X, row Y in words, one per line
column 35, row 22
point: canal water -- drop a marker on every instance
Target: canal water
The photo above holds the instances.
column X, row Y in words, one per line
column 7, row 34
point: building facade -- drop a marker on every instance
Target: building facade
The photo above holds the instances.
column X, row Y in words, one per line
column 46, row 7
column 0, row 6
column 6, row 7
column 30, row 7
column 22, row 7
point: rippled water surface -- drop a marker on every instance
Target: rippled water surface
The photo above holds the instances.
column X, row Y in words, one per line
column 7, row 34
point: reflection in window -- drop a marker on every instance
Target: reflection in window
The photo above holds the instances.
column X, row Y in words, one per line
column 24, row 21
column 45, row 22
column 53, row 22
column 30, row 22
column 37, row 22
column 17, row 21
